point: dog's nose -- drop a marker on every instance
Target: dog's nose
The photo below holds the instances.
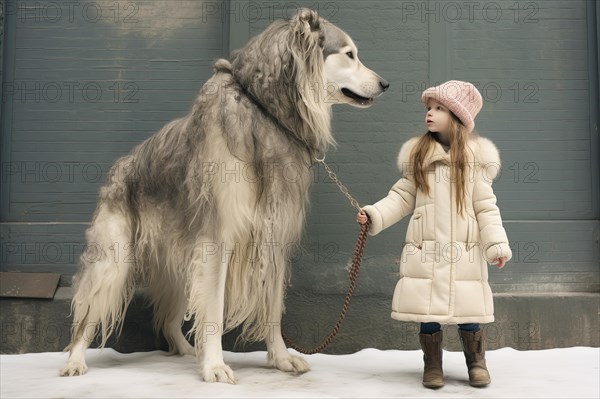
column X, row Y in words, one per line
column 384, row 84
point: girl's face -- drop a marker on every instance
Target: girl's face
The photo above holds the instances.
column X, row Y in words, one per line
column 437, row 118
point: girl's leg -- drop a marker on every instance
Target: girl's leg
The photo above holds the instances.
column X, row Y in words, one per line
column 470, row 327
column 430, row 328
column 430, row 338
column 473, row 344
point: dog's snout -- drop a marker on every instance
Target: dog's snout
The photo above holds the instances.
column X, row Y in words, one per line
column 384, row 84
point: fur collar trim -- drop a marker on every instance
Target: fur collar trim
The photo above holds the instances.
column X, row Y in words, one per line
column 482, row 152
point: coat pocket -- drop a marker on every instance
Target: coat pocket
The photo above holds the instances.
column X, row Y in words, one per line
column 416, row 226
column 472, row 233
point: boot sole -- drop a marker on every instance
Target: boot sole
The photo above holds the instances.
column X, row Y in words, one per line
column 433, row 386
column 480, row 384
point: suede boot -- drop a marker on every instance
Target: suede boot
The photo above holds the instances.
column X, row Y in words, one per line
column 433, row 376
column 474, row 348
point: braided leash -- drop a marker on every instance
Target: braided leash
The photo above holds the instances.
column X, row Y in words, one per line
column 357, row 256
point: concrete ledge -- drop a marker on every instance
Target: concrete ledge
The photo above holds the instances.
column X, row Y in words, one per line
column 523, row 321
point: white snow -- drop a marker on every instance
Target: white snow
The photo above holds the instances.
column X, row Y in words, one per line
column 552, row 373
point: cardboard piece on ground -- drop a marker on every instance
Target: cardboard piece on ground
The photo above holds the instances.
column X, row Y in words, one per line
column 28, row 285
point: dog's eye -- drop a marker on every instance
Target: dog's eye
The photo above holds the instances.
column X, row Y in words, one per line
column 349, row 54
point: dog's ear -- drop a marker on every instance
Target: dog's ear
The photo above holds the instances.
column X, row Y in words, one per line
column 306, row 28
column 308, row 18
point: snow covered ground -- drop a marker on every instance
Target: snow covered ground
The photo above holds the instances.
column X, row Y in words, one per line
column 553, row 373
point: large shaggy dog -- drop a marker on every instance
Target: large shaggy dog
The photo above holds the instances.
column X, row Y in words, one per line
column 202, row 212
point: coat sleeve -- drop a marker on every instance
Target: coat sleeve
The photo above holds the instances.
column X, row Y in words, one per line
column 399, row 202
column 492, row 235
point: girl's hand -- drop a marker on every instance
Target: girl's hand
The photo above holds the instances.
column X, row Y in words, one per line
column 500, row 262
column 361, row 217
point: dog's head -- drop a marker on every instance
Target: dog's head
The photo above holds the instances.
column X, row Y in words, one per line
column 345, row 79
column 298, row 68
column 348, row 80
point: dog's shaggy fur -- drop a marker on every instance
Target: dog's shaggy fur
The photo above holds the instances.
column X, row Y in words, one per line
column 202, row 212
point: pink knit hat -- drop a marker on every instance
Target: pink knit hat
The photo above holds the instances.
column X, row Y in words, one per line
column 462, row 98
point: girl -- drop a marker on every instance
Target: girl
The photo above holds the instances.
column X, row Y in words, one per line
column 455, row 229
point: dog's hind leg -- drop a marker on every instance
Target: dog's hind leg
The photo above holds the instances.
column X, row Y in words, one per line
column 75, row 364
column 207, row 303
column 170, row 305
column 104, row 286
column 177, row 341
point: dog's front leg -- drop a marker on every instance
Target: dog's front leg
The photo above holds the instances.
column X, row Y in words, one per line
column 208, row 301
column 277, row 352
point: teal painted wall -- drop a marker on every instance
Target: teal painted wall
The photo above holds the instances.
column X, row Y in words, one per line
column 534, row 62
column 87, row 81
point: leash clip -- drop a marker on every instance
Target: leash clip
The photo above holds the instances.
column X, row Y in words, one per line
column 321, row 160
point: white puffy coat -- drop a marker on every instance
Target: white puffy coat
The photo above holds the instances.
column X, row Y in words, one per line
column 443, row 266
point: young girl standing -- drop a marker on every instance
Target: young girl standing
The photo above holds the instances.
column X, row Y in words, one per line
column 454, row 231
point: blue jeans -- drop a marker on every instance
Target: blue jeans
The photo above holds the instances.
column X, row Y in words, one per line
column 432, row 328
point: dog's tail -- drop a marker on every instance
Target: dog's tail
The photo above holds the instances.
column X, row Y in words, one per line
column 105, row 285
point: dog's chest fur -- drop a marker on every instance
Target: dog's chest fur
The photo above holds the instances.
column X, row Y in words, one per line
column 256, row 170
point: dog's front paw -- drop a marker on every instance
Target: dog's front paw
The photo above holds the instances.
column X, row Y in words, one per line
column 290, row 363
column 218, row 373
column 73, row 368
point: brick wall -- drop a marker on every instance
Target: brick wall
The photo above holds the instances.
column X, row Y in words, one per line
column 530, row 60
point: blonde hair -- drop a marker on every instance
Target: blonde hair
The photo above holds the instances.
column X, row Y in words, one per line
column 458, row 160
